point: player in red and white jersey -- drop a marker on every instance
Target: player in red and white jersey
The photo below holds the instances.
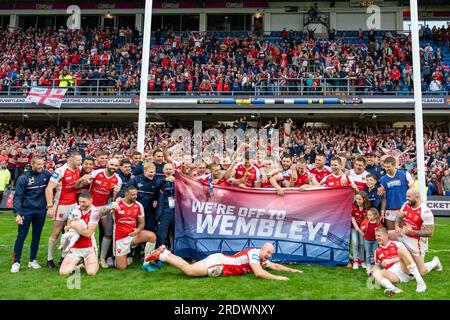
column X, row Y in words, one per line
column 129, row 223
column 246, row 175
column 320, row 170
column 394, row 264
column 285, row 176
column 105, row 185
column 337, row 179
column 265, row 170
column 85, row 249
column 413, row 225
column 65, row 181
column 302, row 177
column 358, row 174
column 218, row 264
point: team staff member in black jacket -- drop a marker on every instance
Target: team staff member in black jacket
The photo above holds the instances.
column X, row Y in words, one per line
column 165, row 213
column 30, row 207
column 148, row 190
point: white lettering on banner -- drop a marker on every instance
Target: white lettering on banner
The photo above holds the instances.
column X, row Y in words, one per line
column 216, row 218
column 296, row 230
column 227, row 222
column 74, row 101
column 245, row 227
column 266, row 228
column 439, row 205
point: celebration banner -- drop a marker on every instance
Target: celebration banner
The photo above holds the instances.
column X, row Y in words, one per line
column 311, row 227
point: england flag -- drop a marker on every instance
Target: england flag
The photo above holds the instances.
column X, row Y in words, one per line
column 48, row 96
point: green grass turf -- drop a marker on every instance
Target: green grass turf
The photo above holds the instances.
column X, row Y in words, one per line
column 169, row 283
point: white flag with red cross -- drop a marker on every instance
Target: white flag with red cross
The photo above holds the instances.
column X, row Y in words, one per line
column 52, row 97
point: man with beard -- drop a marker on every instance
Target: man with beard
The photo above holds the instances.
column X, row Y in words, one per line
column 85, row 249
column 105, row 184
column 414, row 224
column 127, row 232
column 65, row 180
column 285, row 176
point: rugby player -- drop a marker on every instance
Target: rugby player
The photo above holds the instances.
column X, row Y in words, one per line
column 65, row 180
column 414, row 224
column 394, row 264
column 218, row 264
column 127, row 232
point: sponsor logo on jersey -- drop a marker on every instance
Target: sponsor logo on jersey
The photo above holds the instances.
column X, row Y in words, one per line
column 127, row 220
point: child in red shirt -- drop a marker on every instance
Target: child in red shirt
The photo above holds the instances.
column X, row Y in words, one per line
column 367, row 230
column 359, row 212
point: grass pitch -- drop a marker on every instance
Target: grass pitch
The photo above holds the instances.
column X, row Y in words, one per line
column 168, row 283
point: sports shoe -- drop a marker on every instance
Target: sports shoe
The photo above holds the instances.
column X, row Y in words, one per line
column 129, row 260
column 154, row 255
column 363, row 265
column 147, row 267
column 158, row 264
column 34, row 264
column 15, row 267
column 110, row 262
column 392, row 292
column 439, row 267
column 355, row 265
column 51, row 264
column 103, row 264
column 421, row 287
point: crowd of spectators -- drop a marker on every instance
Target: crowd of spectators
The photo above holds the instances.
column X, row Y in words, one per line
column 18, row 143
column 93, row 61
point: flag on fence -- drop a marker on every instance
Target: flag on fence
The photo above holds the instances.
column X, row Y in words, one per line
column 52, row 97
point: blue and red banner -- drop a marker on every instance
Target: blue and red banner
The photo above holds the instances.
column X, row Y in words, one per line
column 310, row 227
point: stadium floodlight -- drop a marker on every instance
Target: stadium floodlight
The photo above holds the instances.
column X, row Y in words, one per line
column 417, row 98
column 144, row 74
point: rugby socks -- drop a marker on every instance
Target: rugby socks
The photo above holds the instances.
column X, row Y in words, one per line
column 104, row 248
column 431, row 265
column 387, row 284
column 415, row 272
column 149, row 247
column 51, row 249
column 163, row 256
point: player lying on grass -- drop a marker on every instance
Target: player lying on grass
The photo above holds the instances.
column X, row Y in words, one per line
column 218, row 264
column 397, row 263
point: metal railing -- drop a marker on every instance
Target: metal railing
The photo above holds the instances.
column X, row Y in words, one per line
column 263, row 87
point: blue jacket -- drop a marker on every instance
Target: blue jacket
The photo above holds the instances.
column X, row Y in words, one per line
column 125, row 182
column 167, row 190
column 139, row 169
column 148, row 190
column 374, row 198
column 29, row 196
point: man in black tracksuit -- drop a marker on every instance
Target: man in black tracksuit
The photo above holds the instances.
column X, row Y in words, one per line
column 125, row 174
column 165, row 214
column 148, row 190
column 30, row 207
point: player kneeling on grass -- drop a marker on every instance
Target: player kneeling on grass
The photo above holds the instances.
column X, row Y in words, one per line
column 414, row 224
column 218, row 264
column 127, row 232
column 71, row 236
column 85, row 248
column 397, row 263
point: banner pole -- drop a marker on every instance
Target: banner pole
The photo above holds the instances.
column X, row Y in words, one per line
column 144, row 75
column 417, row 98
